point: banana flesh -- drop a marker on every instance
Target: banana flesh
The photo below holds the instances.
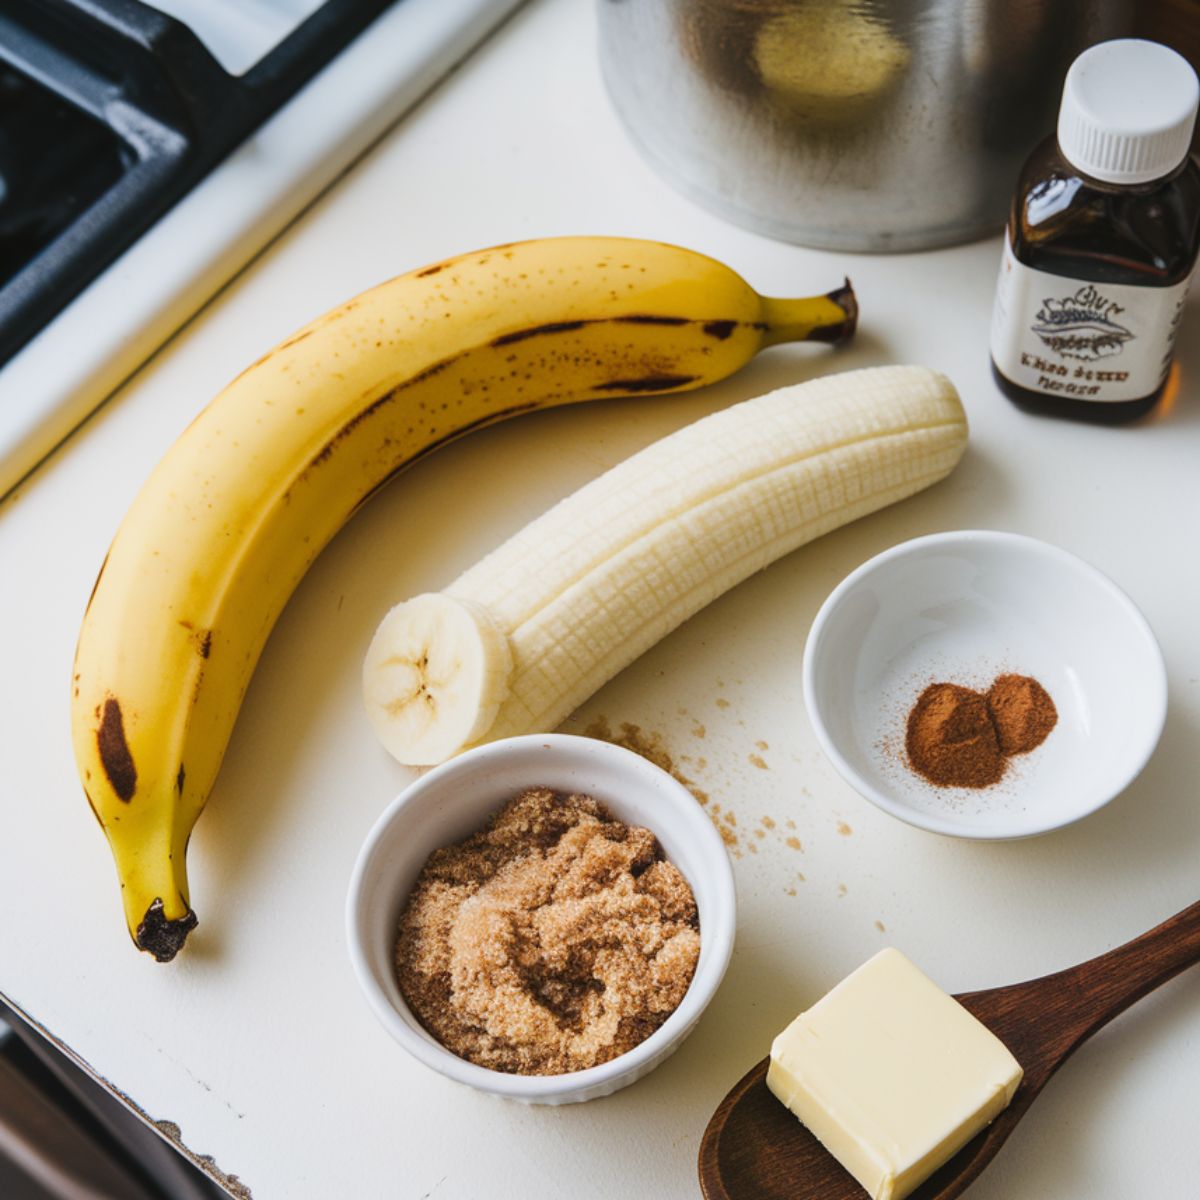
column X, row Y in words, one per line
column 230, row 520
column 601, row 577
column 436, row 676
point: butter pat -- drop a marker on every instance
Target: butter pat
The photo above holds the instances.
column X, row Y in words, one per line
column 891, row 1074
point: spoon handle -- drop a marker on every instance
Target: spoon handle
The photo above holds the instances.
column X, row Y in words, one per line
column 1112, row 982
column 1069, row 1006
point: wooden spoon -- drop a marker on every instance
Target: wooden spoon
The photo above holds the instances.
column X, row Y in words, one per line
column 755, row 1149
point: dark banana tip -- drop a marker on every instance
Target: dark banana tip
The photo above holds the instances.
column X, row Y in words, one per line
column 161, row 937
column 847, row 301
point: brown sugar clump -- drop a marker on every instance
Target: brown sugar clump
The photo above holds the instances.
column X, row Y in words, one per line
column 552, row 940
column 1022, row 713
column 951, row 740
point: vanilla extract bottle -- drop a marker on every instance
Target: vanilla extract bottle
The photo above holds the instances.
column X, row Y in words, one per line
column 1101, row 240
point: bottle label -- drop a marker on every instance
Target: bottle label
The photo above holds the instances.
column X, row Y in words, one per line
column 1065, row 337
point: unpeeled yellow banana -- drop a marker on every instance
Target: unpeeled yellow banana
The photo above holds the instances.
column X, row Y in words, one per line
column 231, row 518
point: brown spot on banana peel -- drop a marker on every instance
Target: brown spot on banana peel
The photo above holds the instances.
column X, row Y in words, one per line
column 432, row 270
column 651, row 319
column 200, row 638
column 115, row 757
column 161, row 937
column 520, row 335
column 420, row 377
column 648, row 383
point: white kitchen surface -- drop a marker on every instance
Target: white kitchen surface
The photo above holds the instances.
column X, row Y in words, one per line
column 256, row 1043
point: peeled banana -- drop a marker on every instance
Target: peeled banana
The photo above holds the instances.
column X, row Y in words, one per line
column 518, row 641
column 229, row 521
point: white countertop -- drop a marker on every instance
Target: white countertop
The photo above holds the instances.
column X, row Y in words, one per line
column 256, row 1042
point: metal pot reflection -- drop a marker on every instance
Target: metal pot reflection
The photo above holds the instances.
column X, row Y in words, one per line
column 847, row 124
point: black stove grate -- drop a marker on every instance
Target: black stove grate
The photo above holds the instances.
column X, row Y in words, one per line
column 110, row 112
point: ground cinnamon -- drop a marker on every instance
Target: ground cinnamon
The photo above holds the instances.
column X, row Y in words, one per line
column 1022, row 712
column 959, row 737
column 951, row 739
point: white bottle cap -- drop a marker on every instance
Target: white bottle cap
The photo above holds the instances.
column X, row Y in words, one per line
column 1128, row 110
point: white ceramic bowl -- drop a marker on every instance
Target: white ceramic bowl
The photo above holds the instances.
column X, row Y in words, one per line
column 964, row 607
column 456, row 799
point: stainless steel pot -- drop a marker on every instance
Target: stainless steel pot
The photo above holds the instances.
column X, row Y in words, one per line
column 847, row 124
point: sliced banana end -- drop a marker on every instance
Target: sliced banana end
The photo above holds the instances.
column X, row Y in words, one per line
column 434, row 677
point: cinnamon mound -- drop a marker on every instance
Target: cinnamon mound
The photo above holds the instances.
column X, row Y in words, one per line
column 1022, row 712
column 951, row 739
column 958, row 737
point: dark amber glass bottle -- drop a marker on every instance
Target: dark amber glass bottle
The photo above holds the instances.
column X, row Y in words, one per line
column 1101, row 241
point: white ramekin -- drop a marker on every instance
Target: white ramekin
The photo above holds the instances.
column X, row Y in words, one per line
column 454, row 800
column 965, row 606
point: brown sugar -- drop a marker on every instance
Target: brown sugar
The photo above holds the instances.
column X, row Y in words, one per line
column 552, row 940
column 649, row 745
column 1022, row 712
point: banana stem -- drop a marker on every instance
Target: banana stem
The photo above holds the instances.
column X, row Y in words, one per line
column 829, row 318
